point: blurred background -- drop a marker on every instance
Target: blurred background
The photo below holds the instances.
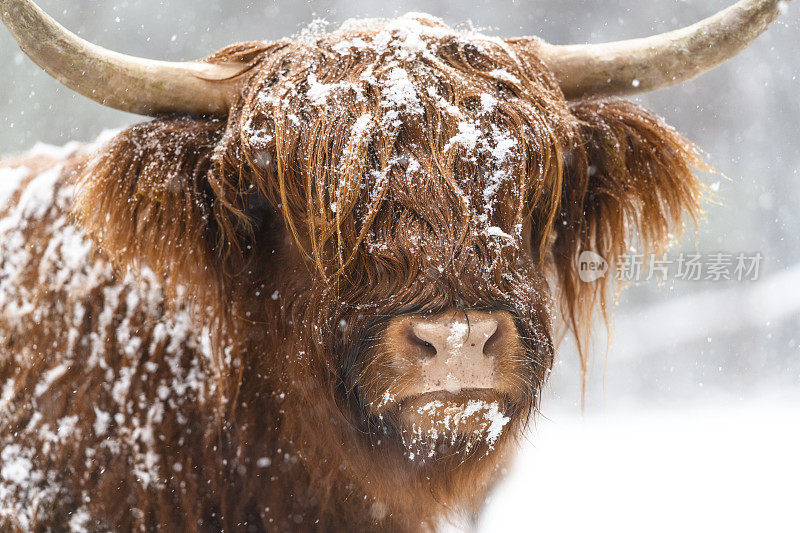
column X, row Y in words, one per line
column 692, row 408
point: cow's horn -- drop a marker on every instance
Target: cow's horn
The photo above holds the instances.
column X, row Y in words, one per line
column 641, row 65
column 133, row 84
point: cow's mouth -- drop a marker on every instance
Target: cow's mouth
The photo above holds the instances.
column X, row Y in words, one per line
column 476, row 413
column 471, row 422
column 454, row 384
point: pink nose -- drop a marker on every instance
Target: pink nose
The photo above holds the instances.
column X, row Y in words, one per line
column 453, row 351
column 460, row 335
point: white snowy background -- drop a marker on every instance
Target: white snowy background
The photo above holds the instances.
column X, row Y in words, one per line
column 692, row 416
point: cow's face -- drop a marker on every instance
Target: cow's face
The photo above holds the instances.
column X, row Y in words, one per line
column 418, row 182
column 438, row 326
column 399, row 195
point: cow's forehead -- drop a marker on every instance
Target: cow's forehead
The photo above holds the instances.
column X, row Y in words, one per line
column 405, row 120
column 400, row 64
column 404, row 37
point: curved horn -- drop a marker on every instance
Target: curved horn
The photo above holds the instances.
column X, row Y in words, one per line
column 128, row 83
column 641, row 65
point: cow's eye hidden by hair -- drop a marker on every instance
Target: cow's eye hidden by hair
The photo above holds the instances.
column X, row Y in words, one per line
column 323, row 287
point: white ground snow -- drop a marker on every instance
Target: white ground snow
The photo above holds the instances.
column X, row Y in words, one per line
column 726, row 466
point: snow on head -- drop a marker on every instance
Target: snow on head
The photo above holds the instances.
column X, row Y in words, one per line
column 318, row 93
column 455, row 108
column 399, row 93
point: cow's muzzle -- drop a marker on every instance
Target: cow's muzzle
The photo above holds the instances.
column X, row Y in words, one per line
column 452, row 351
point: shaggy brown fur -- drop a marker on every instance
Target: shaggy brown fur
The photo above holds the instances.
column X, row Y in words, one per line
column 228, row 373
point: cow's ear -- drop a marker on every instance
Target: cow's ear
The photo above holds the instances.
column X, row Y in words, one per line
column 148, row 199
column 629, row 182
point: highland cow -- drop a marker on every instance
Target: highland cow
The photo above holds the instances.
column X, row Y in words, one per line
column 322, row 289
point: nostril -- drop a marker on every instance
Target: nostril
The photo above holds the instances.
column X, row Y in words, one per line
column 493, row 345
column 423, row 347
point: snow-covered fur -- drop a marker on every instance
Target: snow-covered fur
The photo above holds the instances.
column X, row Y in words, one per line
column 192, row 313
